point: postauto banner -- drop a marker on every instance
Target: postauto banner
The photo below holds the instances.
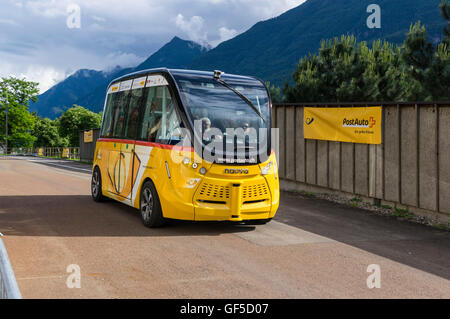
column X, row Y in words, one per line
column 346, row 124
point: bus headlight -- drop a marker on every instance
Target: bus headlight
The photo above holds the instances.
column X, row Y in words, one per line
column 266, row 170
column 202, row 170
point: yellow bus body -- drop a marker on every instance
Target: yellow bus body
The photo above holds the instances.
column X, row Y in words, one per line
column 184, row 192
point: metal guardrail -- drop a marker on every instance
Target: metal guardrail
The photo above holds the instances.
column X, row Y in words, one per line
column 8, row 283
column 72, row 153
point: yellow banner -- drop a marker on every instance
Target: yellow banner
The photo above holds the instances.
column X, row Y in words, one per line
column 88, row 136
column 346, row 124
column 65, row 153
column 41, row 152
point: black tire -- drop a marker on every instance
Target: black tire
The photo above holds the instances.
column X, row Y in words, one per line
column 150, row 206
column 96, row 186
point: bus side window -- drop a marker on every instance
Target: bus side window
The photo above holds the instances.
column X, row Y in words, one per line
column 148, row 118
column 108, row 121
column 169, row 132
column 161, row 123
column 133, row 113
column 120, row 114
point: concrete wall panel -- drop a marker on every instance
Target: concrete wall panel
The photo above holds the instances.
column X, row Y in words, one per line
column 409, row 156
column 300, row 146
column 282, row 142
column 334, row 165
column 347, row 164
column 361, row 169
column 428, row 158
column 391, row 154
column 322, row 163
column 444, row 159
column 311, row 161
column 290, row 142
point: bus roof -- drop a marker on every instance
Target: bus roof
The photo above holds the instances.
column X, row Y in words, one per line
column 183, row 72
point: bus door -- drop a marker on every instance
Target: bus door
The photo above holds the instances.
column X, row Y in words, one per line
column 117, row 159
column 127, row 175
column 129, row 160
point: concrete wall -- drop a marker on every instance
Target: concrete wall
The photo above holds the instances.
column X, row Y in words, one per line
column 410, row 168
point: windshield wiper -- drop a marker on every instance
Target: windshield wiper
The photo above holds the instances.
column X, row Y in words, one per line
column 242, row 96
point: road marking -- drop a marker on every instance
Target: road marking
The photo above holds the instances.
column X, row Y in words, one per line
column 61, row 171
column 41, row 277
column 65, row 166
column 279, row 234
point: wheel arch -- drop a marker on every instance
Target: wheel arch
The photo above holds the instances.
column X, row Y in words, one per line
column 138, row 194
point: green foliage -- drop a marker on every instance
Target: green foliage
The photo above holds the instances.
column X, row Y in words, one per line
column 427, row 65
column 402, row 213
column 76, row 119
column 275, row 92
column 437, row 76
column 17, row 93
column 345, row 70
column 348, row 71
column 46, row 132
column 356, row 199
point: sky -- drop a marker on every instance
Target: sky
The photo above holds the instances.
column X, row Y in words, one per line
column 47, row 40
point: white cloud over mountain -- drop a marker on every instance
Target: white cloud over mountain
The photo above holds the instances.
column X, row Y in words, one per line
column 36, row 42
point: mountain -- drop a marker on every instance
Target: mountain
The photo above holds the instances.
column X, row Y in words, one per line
column 67, row 92
column 88, row 87
column 270, row 49
column 177, row 54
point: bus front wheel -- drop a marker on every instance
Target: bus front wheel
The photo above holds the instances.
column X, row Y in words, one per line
column 150, row 206
column 96, row 186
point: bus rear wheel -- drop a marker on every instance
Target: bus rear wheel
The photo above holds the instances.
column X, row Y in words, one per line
column 150, row 206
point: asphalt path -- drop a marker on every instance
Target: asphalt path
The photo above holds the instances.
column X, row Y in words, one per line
column 313, row 248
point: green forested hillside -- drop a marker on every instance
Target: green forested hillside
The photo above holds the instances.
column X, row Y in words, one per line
column 272, row 48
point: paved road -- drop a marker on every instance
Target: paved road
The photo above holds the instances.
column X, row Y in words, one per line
column 314, row 249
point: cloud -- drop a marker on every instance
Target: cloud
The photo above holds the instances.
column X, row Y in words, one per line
column 36, row 42
column 8, row 21
column 224, row 35
column 99, row 19
column 194, row 28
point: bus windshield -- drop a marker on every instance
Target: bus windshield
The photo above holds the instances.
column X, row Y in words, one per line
column 221, row 110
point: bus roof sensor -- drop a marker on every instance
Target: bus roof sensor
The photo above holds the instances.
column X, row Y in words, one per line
column 217, row 74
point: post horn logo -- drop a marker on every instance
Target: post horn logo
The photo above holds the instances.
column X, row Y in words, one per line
column 309, row 120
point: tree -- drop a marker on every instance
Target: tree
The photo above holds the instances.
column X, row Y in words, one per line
column 75, row 120
column 275, row 93
column 428, row 66
column 345, row 70
column 437, row 76
column 46, row 132
column 445, row 11
column 16, row 94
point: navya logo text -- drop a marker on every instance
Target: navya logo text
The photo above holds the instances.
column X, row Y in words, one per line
column 370, row 123
column 236, row 171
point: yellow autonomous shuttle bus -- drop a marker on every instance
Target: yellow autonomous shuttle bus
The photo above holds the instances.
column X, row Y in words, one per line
column 188, row 145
